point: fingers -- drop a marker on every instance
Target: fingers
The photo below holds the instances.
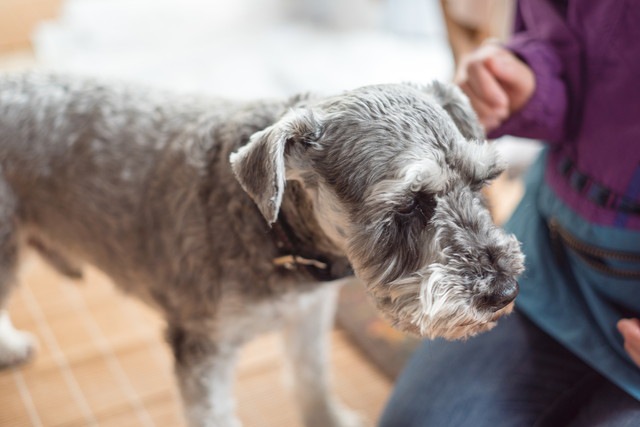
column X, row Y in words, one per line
column 496, row 82
column 489, row 116
column 630, row 330
column 486, row 87
column 514, row 76
column 487, row 97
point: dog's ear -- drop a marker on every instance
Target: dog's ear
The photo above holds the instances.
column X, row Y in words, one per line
column 259, row 166
column 457, row 105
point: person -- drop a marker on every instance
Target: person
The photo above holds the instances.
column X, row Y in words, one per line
column 569, row 355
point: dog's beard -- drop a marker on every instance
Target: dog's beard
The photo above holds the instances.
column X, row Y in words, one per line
column 435, row 303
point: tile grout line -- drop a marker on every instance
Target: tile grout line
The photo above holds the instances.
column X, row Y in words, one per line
column 114, row 365
column 58, row 356
column 26, row 397
column 173, row 390
column 152, row 345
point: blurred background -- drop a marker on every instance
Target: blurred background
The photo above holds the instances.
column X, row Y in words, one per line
column 101, row 359
column 241, row 49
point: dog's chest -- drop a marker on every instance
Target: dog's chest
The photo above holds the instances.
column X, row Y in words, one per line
column 240, row 320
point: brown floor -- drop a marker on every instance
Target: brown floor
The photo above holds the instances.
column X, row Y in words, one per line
column 102, row 362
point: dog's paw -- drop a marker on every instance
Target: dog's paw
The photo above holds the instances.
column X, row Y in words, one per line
column 346, row 417
column 16, row 347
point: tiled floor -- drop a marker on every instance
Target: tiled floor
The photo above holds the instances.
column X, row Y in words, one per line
column 102, row 362
column 17, row 60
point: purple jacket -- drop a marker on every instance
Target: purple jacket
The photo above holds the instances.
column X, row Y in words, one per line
column 586, row 105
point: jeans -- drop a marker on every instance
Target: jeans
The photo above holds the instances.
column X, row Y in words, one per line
column 514, row 375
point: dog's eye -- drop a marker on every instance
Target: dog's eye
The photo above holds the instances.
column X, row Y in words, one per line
column 426, row 205
column 479, row 185
column 409, row 208
column 421, row 205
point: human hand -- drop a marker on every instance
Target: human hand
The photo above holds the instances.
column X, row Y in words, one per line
column 496, row 82
column 630, row 330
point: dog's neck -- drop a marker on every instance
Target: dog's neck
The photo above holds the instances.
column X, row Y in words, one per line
column 301, row 243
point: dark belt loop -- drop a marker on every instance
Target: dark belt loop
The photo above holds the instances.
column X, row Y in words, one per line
column 599, row 195
column 564, row 166
column 595, row 192
column 578, row 181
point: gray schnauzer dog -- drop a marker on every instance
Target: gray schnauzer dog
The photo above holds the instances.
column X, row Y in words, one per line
column 231, row 217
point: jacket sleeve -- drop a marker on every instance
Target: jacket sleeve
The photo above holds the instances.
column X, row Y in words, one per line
column 543, row 40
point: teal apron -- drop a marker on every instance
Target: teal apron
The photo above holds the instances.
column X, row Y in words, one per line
column 580, row 279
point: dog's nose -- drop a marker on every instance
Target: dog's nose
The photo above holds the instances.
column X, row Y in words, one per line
column 500, row 296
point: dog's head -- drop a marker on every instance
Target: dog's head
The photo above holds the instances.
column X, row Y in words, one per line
column 395, row 173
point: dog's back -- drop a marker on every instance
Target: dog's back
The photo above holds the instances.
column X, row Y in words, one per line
column 112, row 173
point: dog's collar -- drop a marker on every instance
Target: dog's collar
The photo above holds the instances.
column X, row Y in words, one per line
column 292, row 257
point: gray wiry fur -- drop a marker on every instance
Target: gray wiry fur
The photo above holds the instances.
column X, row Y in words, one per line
column 160, row 192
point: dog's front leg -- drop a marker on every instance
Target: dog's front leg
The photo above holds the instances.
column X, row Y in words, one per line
column 307, row 343
column 205, row 372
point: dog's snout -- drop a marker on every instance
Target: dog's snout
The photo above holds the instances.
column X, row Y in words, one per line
column 499, row 296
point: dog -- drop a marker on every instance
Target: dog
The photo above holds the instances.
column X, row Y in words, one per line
column 234, row 218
